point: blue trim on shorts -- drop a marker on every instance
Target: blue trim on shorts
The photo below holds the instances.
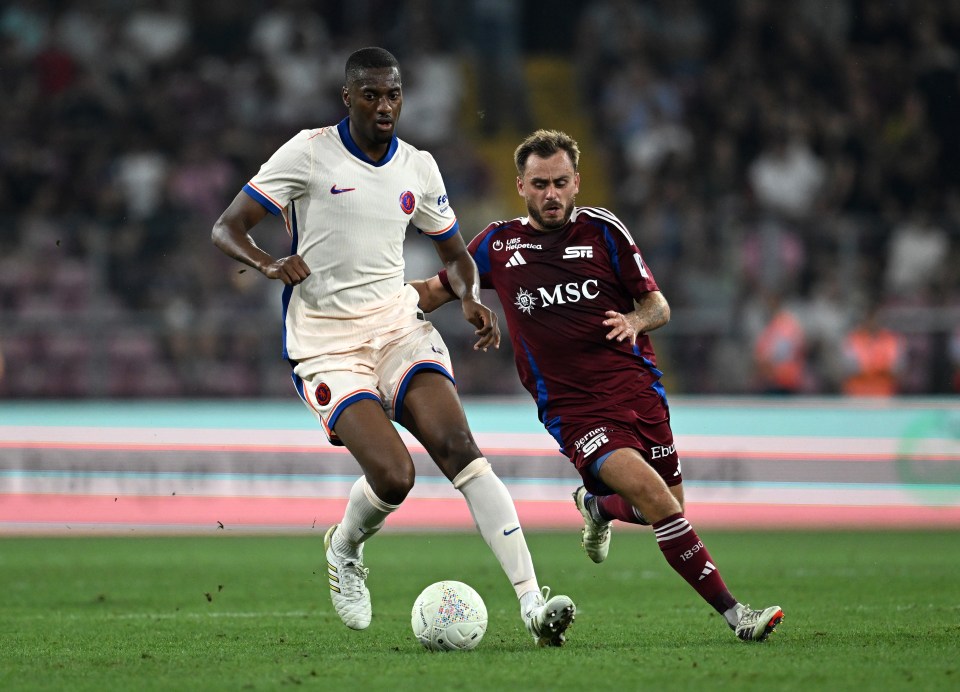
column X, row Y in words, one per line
column 597, row 463
column 402, row 389
column 298, row 384
column 354, row 398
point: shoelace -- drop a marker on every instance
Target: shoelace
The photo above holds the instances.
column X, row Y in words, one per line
column 748, row 616
column 352, row 577
column 749, row 619
column 601, row 533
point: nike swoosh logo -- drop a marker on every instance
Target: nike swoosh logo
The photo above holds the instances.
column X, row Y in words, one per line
column 334, row 190
column 507, row 533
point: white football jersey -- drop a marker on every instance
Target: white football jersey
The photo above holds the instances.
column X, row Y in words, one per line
column 347, row 216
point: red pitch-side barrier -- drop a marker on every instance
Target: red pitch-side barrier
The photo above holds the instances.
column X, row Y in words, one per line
column 79, row 513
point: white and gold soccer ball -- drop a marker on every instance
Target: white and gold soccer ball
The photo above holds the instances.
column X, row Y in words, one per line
column 449, row 616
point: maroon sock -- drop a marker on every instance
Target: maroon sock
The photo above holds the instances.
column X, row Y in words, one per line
column 686, row 553
column 615, row 507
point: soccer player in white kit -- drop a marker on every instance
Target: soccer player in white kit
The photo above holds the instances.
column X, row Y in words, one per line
column 360, row 350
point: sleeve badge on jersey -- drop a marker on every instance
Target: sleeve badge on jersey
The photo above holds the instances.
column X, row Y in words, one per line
column 408, row 202
column 322, row 394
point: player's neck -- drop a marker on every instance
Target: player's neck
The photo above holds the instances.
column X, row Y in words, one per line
column 536, row 228
column 373, row 150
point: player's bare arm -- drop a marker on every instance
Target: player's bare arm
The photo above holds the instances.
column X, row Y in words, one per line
column 231, row 233
column 432, row 292
column 465, row 282
column 651, row 311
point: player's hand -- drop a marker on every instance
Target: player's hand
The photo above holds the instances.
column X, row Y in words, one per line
column 290, row 270
column 621, row 327
column 485, row 320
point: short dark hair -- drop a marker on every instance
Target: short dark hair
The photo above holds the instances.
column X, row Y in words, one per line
column 371, row 58
column 546, row 143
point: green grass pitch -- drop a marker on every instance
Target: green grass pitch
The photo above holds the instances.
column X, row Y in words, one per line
column 864, row 611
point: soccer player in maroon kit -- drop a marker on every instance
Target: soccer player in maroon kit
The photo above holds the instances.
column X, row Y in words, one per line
column 579, row 302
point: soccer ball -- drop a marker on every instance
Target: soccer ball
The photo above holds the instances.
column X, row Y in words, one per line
column 449, row 616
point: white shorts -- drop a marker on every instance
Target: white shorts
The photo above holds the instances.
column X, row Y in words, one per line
column 379, row 369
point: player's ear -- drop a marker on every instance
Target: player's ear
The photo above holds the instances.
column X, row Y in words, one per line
column 520, row 186
column 345, row 96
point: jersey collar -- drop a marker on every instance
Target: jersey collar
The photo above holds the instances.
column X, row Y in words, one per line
column 343, row 127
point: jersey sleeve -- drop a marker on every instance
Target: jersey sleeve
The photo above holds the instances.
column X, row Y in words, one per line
column 628, row 263
column 284, row 176
column 433, row 215
column 479, row 249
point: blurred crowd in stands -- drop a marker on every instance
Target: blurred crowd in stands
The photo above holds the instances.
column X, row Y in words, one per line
column 790, row 171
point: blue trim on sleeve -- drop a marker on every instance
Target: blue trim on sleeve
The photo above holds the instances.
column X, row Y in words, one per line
column 449, row 233
column 259, row 197
column 343, row 127
column 482, row 255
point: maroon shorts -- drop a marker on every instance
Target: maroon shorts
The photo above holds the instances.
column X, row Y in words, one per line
column 590, row 436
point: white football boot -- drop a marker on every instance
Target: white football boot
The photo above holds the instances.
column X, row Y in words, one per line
column 549, row 618
column 348, row 588
column 757, row 625
column 595, row 536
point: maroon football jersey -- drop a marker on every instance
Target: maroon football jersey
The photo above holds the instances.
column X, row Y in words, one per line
column 555, row 288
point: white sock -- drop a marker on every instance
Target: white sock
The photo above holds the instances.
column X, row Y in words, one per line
column 529, row 601
column 732, row 615
column 496, row 517
column 364, row 516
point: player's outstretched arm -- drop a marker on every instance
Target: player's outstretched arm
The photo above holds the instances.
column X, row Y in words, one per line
column 651, row 311
column 231, row 233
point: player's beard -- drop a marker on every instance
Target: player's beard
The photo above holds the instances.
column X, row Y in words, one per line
column 381, row 136
column 552, row 225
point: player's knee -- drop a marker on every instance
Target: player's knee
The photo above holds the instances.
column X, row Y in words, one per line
column 660, row 506
column 455, row 450
column 393, row 485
